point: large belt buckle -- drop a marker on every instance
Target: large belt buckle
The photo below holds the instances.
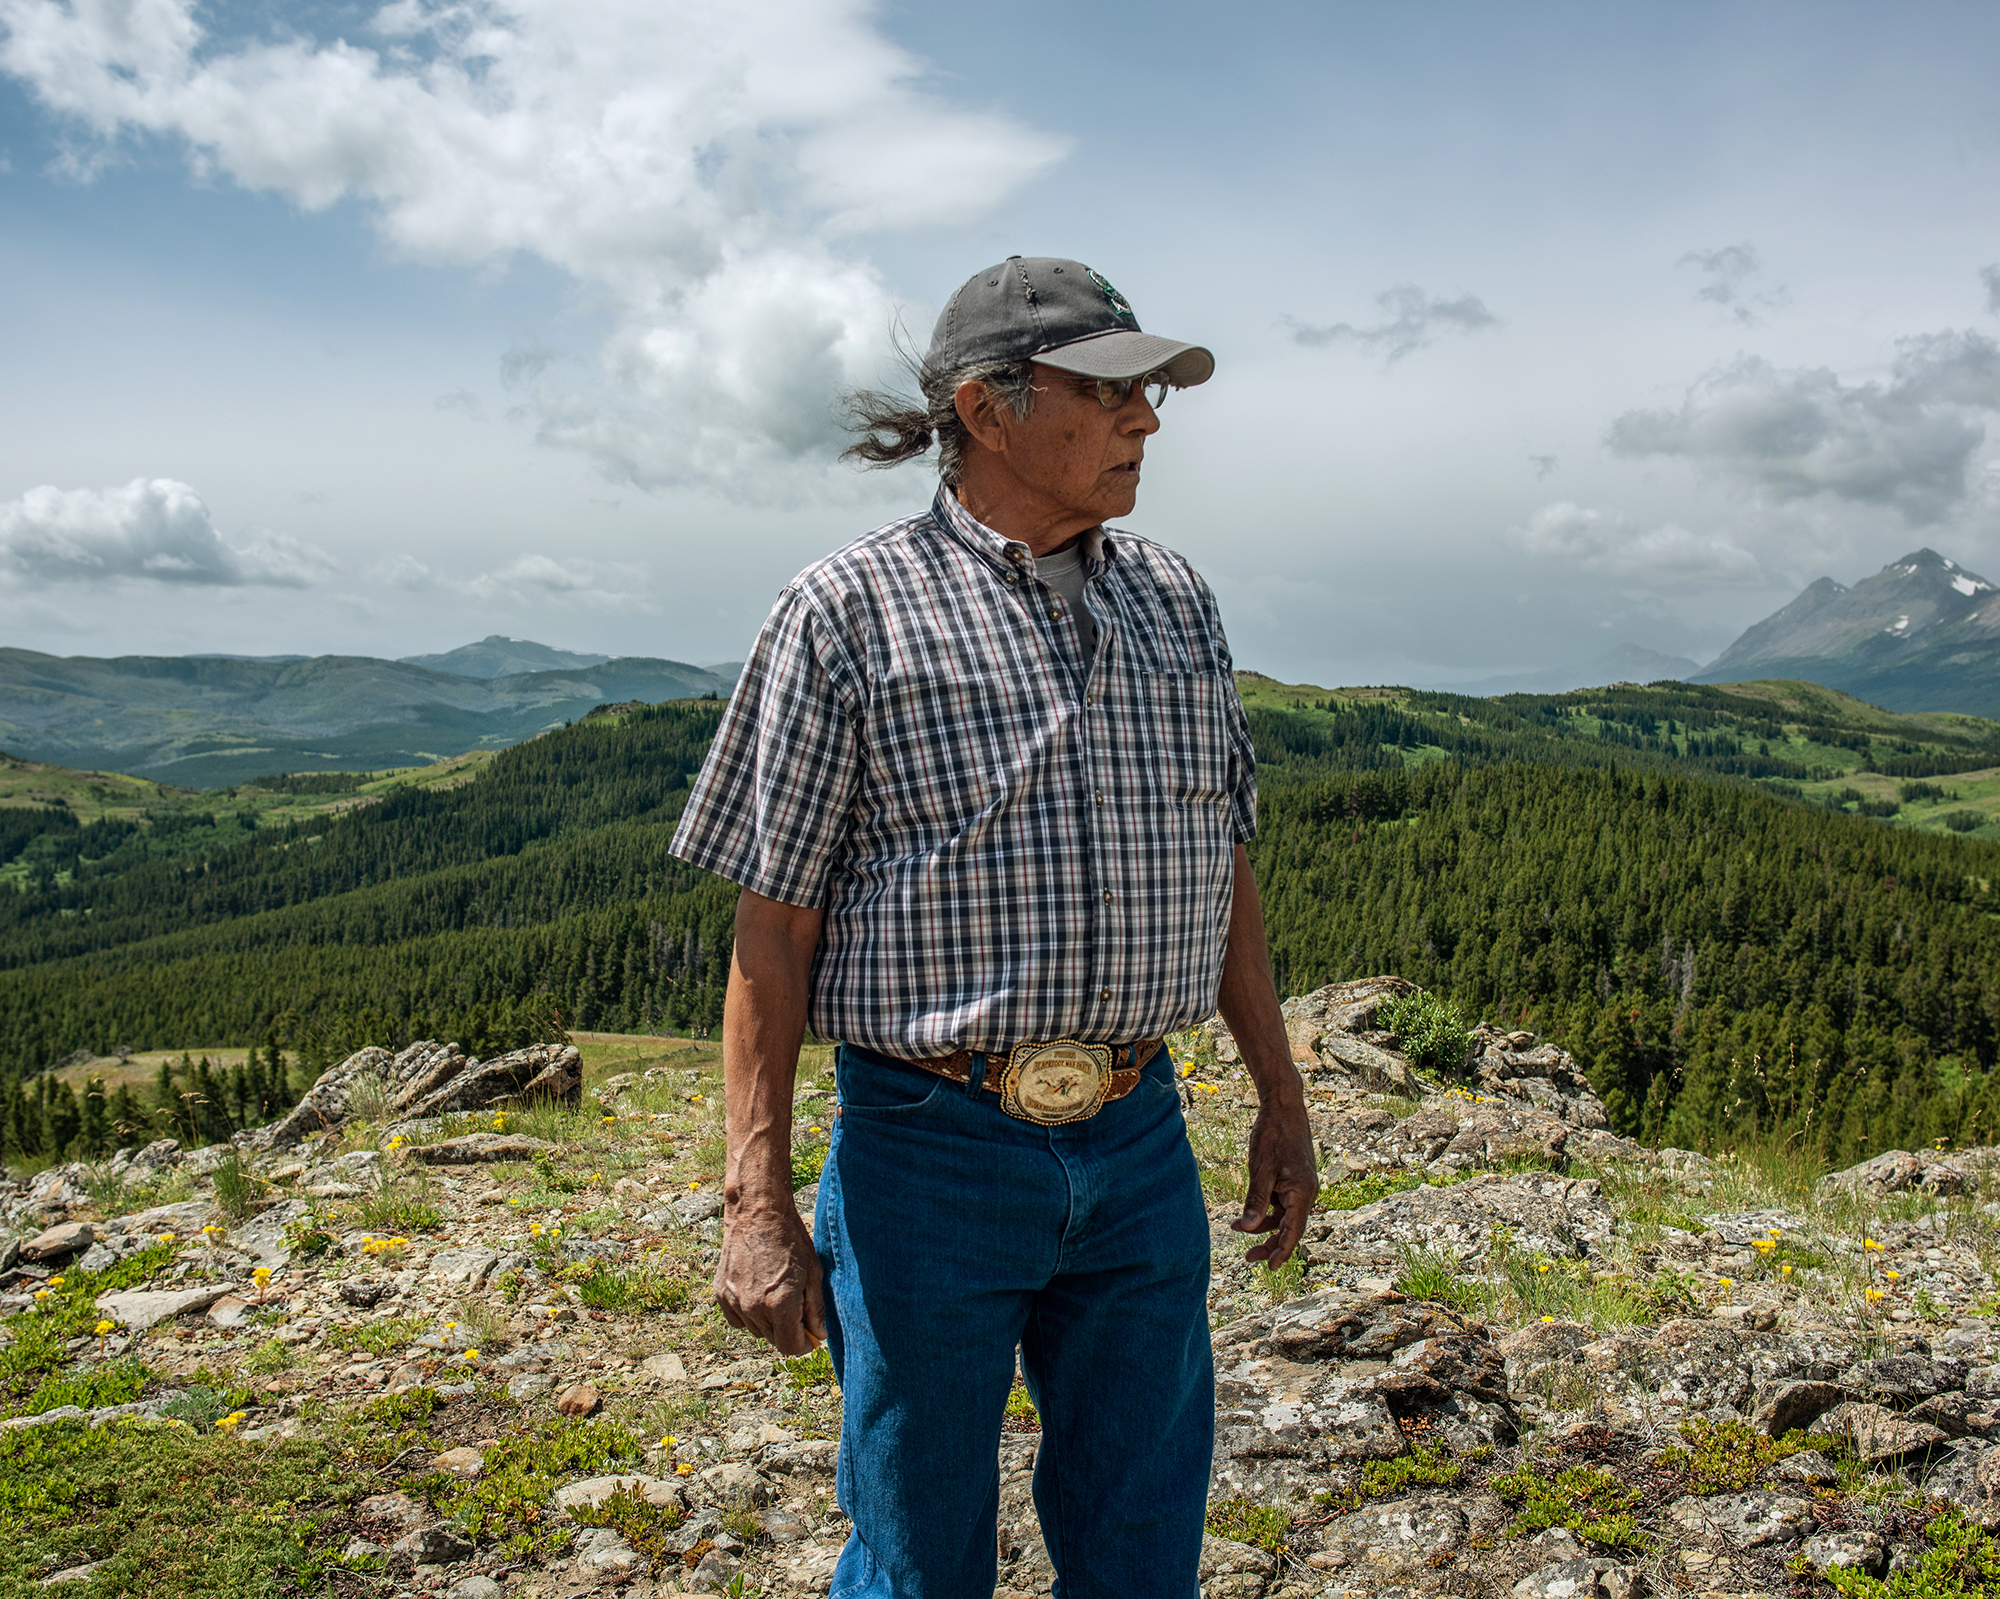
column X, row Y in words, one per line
column 1060, row 1081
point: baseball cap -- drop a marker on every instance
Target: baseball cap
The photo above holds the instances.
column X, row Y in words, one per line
column 1062, row 314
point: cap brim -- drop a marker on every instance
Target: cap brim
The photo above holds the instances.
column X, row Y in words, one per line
column 1123, row 354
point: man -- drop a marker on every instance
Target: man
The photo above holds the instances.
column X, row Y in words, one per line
column 985, row 782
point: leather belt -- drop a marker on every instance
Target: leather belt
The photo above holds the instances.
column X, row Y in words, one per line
column 1128, row 1063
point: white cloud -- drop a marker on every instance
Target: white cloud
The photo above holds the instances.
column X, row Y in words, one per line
column 531, row 579
column 153, row 530
column 1608, row 541
column 697, row 167
column 1413, row 320
column 1792, row 434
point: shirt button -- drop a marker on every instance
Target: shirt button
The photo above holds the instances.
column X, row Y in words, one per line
column 1010, row 577
column 1104, row 993
column 1107, row 896
column 1055, row 613
column 1099, row 796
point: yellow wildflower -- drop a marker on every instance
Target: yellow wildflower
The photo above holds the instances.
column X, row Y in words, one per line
column 105, row 1328
column 1785, row 1270
column 684, row 1469
column 1874, row 1296
column 56, row 1281
column 1893, row 1276
column 1727, row 1282
column 1869, row 1243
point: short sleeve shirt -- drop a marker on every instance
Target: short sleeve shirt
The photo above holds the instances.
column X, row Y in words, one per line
column 1011, row 840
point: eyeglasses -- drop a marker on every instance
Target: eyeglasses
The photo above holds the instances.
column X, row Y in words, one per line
column 1114, row 392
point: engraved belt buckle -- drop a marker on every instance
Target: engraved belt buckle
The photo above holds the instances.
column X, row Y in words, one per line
column 1060, row 1081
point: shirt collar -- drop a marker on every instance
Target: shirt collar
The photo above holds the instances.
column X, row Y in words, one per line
column 1007, row 553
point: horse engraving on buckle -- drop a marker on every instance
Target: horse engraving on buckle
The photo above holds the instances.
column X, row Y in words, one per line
column 1060, row 1081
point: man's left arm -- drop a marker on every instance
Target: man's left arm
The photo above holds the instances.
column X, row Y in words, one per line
column 1284, row 1178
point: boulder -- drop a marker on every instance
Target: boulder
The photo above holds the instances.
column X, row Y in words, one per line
column 473, row 1149
column 1878, row 1435
column 594, row 1491
column 541, row 1071
column 1747, row 1520
column 1795, row 1404
column 1376, row 1068
column 1588, row 1577
column 137, row 1309
column 1904, row 1380
column 1899, row 1171
column 1856, row 1550
column 1559, row 1217
column 59, row 1244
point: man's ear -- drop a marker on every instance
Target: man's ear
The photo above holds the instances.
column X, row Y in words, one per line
column 982, row 419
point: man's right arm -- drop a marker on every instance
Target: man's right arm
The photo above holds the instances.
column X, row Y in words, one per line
column 768, row 1279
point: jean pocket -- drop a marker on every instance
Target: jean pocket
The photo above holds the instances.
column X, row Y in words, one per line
column 871, row 1086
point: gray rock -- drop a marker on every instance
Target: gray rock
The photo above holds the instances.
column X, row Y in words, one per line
column 593, row 1491
column 469, row 1267
column 734, row 1483
column 1967, row 1475
column 157, row 1156
column 1808, row 1466
column 361, row 1549
column 1563, row 1218
column 1377, row 1068
column 1858, row 1551
column 1231, row 1570
column 529, row 1385
column 475, row 1587
column 262, row 1237
column 1957, row 1415
column 1796, row 1405
column 616, row 1560
column 1878, row 1435
column 75, row 1574
column 692, row 1208
column 1401, row 1533
column 59, row 1243
column 664, row 1367
column 46, row 1418
column 137, row 1309
column 1898, row 1172
column 539, row 1072
column 1903, row 1380
column 435, row 1546
column 479, row 1148
column 1747, row 1520
column 1588, row 1577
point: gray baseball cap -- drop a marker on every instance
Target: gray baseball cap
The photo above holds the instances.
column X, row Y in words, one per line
column 1062, row 314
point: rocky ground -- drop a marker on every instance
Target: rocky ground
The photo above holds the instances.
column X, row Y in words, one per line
column 446, row 1329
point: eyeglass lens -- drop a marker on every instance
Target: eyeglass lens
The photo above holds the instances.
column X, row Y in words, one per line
column 1113, row 391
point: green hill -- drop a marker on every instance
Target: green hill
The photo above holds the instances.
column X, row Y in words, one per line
column 1666, row 879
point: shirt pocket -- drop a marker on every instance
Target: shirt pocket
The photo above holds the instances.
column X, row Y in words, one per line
column 1189, row 728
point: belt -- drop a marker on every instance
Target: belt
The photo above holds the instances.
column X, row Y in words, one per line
column 1034, row 1084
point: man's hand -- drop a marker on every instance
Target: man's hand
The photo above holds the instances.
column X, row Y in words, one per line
column 768, row 1281
column 1284, row 1177
column 1283, row 1182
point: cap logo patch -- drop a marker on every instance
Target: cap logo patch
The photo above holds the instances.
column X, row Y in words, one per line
column 1120, row 307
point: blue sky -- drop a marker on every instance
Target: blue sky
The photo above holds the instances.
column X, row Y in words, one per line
column 1540, row 329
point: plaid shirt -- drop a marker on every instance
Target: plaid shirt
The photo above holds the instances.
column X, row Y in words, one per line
column 1010, row 843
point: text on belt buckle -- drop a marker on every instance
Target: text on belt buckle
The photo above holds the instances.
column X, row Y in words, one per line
column 1060, row 1081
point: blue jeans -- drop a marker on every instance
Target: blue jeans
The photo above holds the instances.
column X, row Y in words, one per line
column 950, row 1233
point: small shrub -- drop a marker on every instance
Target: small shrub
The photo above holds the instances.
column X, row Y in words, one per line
column 1964, row 821
column 1592, row 1504
column 510, row 1502
column 1961, row 1561
column 743, row 1525
column 1728, row 1456
column 1242, row 1521
column 1429, row 1028
column 308, row 1235
column 1285, row 1282
column 1422, row 1467
column 808, row 1161
column 1020, row 1408
column 270, row 1358
column 392, row 1211
column 647, row 1527
column 204, row 1404
column 377, row 1337
column 117, row 1384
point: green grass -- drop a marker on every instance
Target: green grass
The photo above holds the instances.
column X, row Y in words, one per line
column 377, row 1337
column 1242, row 1521
column 1428, row 1275
column 170, row 1509
column 117, row 1384
column 642, row 1288
column 808, row 1371
column 1422, row 1467
column 1351, row 1193
column 648, row 1528
column 236, row 1191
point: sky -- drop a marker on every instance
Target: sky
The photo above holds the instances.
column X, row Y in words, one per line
column 1540, row 330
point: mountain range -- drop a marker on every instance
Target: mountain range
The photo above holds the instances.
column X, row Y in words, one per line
column 211, row 721
column 1922, row 634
